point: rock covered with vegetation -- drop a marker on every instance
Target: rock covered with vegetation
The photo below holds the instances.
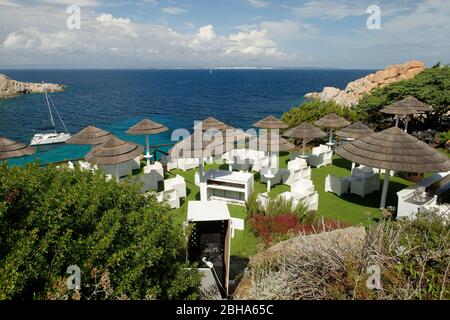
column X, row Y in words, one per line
column 412, row 256
column 355, row 90
column 11, row 88
column 126, row 246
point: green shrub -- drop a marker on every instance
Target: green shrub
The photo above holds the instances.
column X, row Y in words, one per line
column 279, row 206
column 127, row 246
column 431, row 86
column 314, row 110
column 441, row 138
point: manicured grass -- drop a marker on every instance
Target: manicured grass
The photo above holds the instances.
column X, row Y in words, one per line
column 347, row 208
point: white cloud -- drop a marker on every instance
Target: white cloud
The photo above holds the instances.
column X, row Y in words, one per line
column 81, row 3
column 258, row 3
column 330, row 9
column 107, row 41
column 7, row 3
column 117, row 24
column 173, row 10
column 289, row 29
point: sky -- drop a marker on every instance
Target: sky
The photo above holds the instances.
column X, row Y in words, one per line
column 216, row 34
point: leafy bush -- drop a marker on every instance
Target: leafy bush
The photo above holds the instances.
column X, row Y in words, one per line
column 442, row 138
column 430, row 86
column 127, row 246
column 314, row 110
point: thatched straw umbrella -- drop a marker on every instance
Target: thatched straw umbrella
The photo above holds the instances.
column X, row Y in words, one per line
column 393, row 149
column 270, row 122
column 90, row 135
column 354, row 131
column 399, row 109
column 147, row 127
column 304, row 131
column 332, row 121
column 12, row 149
column 408, row 106
column 114, row 152
column 211, row 123
column 414, row 103
column 198, row 144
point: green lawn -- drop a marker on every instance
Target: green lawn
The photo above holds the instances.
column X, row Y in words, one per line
column 348, row 208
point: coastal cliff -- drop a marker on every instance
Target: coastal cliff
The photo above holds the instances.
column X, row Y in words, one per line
column 355, row 90
column 11, row 88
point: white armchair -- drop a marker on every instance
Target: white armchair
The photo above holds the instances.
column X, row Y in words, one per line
column 303, row 191
column 260, row 163
column 291, row 176
column 321, row 156
column 157, row 169
column 135, row 163
column 178, row 183
column 70, row 165
column 364, row 186
column 336, row 185
column 170, row 196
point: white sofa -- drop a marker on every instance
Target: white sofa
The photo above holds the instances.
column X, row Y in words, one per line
column 363, row 186
column 302, row 191
column 149, row 180
column 188, row 163
column 178, row 183
column 337, row 185
column 320, row 156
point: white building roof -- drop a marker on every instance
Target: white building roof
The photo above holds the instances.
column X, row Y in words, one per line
column 207, row 211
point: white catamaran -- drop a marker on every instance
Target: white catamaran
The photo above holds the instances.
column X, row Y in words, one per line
column 51, row 137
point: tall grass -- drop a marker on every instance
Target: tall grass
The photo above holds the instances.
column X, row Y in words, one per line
column 279, row 206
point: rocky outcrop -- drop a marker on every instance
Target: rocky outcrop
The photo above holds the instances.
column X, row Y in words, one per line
column 355, row 90
column 11, row 88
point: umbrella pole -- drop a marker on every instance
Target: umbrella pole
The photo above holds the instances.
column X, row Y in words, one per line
column 303, row 147
column 406, row 125
column 116, row 173
column 396, row 120
column 148, row 150
column 385, row 188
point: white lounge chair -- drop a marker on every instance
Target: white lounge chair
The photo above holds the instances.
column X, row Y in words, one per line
column 320, row 156
column 178, row 183
column 337, row 185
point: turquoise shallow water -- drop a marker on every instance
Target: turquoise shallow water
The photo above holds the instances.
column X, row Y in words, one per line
column 116, row 99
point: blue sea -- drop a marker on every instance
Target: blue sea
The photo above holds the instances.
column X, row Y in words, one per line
column 114, row 100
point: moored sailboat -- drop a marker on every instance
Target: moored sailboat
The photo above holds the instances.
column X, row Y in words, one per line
column 53, row 137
